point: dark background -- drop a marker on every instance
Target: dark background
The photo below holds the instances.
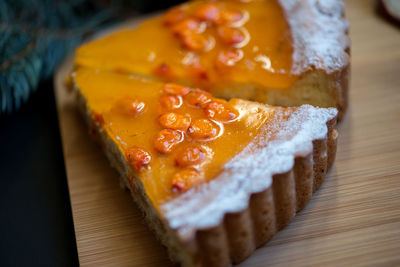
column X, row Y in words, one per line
column 36, row 227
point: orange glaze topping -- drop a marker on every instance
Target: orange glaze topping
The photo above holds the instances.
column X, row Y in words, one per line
column 191, row 155
column 219, row 110
column 198, row 98
column 128, row 106
column 166, row 140
column 172, row 120
column 203, row 129
column 170, row 102
column 210, row 44
column 170, row 151
column 137, row 157
column 185, row 179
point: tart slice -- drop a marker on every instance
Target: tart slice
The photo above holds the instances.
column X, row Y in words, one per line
column 216, row 179
column 284, row 53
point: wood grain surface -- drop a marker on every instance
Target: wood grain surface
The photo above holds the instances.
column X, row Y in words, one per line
column 353, row 220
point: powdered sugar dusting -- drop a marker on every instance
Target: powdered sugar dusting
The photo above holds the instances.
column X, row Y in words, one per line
column 272, row 152
column 319, row 34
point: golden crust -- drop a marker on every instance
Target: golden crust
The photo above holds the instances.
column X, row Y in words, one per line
column 343, row 81
column 321, row 43
column 268, row 211
column 241, row 232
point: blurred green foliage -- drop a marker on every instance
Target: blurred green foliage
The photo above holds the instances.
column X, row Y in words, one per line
column 35, row 35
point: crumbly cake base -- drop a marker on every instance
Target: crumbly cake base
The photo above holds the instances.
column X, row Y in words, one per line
column 239, row 233
column 315, row 87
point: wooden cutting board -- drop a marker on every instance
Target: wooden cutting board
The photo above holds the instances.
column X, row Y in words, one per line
column 354, row 219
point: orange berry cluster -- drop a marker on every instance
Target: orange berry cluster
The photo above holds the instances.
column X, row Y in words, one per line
column 177, row 127
column 137, row 157
column 190, row 29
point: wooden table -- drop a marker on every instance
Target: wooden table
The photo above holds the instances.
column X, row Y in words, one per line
column 354, row 219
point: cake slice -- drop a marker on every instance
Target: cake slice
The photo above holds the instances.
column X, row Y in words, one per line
column 215, row 179
column 285, row 53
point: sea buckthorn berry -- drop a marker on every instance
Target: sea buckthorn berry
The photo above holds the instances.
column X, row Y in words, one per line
column 175, row 89
column 203, row 129
column 167, row 139
column 191, row 155
column 170, row 102
column 137, row 157
column 185, row 27
column 165, row 72
column 207, row 12
column 198, row 98
column 230, row 36
column 195, row 41
column 220, row 111
column 228, row 58
column 174, row 15
column 186, row 179
column 230, row 16
column 128, row 106
column 98, row 118
column 172, row 120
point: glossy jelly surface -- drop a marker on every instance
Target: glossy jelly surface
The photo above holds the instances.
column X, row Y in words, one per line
column 173, row 137
column 212, row 44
